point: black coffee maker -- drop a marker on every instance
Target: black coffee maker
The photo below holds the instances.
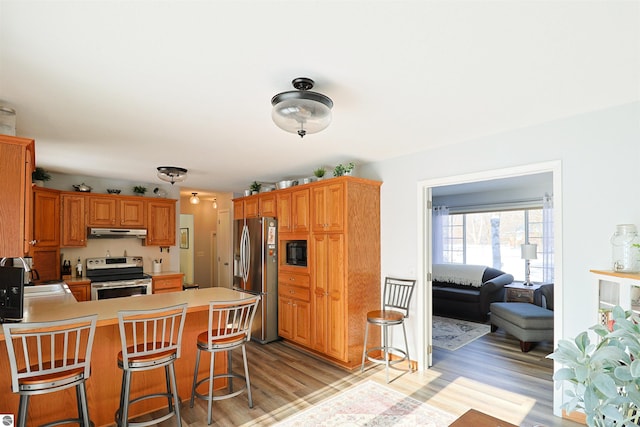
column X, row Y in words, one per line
column 11, row 294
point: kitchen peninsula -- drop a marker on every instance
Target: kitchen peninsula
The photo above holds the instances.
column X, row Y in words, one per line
column 103, row 387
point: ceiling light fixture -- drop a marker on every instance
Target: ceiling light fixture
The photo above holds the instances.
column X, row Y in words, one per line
column 215, row 203
column 194, row 200
column 172, row 174
column 301, row 111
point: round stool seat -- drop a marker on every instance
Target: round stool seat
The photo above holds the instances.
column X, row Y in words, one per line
column 385, row 316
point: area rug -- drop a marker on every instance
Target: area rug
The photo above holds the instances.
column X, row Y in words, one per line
column 370, row 404
column 451, row 334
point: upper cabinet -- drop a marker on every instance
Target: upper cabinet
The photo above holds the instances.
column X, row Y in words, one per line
column 256, row 206
column 327, row 207
column 110, row 211
column 293, row 211
column 46, row 217
column 81, row 211
column 74, row 228
column 17, row 162
column 161, row 222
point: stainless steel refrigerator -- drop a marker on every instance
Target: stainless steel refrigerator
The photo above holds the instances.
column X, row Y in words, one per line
column 255, row 268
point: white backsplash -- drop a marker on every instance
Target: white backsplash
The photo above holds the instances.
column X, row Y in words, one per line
column 117, row 247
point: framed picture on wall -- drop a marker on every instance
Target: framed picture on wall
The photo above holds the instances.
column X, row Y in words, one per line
column 184, row 238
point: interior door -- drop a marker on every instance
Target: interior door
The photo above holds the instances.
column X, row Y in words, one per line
column 224, row 249
column 428, row 224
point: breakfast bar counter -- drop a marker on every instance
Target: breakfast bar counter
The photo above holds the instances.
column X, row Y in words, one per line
column 103, row 387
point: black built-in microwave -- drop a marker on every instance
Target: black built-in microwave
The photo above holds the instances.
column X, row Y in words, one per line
column 296, row 251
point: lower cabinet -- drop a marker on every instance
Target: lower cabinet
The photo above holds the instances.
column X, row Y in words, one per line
column 294, row 308
column 81, row 290
column 171, row 282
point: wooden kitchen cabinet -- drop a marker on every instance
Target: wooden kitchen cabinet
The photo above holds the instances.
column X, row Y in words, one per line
column 238, row 209
column 161, row 222
column 115, row 211
column 327, row 207
column 329, row 321
column 344, row 261
column 283, row 202
column 17, row 162
column 81, row 289
column 74, row 229
column 293, row 211
column 46, row 217
column 340, row 218
column 294, row 308
column 167, row 283
column 256, row 206
column 46, row 233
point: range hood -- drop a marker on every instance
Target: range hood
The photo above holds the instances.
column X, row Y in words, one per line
column 116, row 233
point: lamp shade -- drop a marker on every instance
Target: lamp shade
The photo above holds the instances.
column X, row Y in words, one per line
column 301, row 111
column 529, row 251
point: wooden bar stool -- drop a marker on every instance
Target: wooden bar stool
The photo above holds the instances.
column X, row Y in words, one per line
column 229, row 327
column 46, row 357
column 150, row 339
column 396, row 298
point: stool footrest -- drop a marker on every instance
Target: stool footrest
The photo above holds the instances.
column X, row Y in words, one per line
column 391, row 351
column 222, row 396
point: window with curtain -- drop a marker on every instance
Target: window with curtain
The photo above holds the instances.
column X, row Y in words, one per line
column 492, row 236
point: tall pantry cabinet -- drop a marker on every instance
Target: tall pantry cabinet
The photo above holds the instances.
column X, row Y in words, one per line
column 17, row 162
column 345, row 266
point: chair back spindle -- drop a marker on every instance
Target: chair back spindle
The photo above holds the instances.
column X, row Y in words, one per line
column 397, row 294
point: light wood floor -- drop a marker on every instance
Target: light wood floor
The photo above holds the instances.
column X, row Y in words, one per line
column 489, row 374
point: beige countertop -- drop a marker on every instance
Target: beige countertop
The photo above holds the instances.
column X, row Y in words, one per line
column 65, row 306
column 164, row 273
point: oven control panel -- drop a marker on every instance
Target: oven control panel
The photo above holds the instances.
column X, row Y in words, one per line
column 114, row 262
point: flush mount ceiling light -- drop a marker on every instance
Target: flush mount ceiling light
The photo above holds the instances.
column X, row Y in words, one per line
column 301, row 111
column 194, row 200
column 172, row 174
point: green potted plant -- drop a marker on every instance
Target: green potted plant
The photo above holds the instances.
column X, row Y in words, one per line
column 139, row 189
column 39, row 176
column 255, row 187
column 605, row 377
column 341, row 169
column 319, row 173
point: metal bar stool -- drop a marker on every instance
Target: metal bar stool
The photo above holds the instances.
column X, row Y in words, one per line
column 46, row 357
column 150, row 339
column 229, row 327
column 395, row 308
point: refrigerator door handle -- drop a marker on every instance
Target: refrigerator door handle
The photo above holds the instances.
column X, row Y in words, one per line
column 245, row 253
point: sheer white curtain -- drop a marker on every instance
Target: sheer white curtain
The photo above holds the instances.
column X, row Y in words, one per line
column 547, row 238
column 440, row 232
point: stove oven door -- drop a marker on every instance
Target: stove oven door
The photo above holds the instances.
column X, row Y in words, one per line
column 120, row 289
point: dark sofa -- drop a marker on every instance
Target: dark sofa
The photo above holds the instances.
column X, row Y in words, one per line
column 457, row 294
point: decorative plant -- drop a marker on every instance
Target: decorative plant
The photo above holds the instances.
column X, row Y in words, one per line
column 255, row 187
column 139, row 189
column 605, row 376
column 319, row 173
column 39, row 174
column 341, row 169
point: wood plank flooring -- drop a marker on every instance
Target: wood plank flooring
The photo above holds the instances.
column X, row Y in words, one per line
column 489, row 374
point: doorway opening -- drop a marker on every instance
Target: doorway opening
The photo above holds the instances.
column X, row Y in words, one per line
column 425, row 251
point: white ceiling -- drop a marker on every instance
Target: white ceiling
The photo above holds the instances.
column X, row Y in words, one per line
column 116, row 88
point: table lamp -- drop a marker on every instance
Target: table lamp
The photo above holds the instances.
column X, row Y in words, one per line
column 529, row 252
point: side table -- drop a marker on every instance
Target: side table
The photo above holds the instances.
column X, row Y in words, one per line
column 519, row 292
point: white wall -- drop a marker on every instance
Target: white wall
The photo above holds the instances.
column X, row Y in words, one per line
column 599, row 154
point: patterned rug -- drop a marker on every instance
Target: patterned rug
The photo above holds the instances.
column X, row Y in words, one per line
column 370, row 404
column 451, row 334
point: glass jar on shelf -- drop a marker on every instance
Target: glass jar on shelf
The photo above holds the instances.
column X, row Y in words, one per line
column 624, row 252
